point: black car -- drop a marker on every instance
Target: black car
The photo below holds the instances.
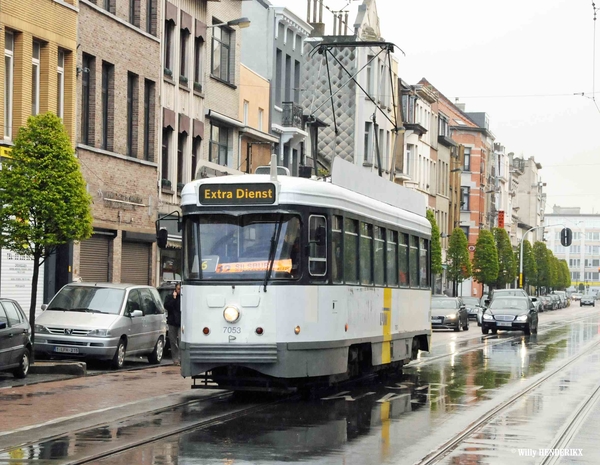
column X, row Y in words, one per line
column 588, row 299
column 510, row 314
column 15, row 339
column 474, row 308
column 449, row 313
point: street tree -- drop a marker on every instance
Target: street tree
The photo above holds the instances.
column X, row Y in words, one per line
column 485, row 259
column 529, row 264
column 566, row 274
column 458, row 264
column 552, row 270
column 542, row 265
column 43, row 195
column 507, row 265
column 436, row 246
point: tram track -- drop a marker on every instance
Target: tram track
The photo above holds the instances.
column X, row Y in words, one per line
column 563, row 438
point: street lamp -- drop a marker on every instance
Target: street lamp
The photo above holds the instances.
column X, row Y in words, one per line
column 521, row 254
column 239, row 22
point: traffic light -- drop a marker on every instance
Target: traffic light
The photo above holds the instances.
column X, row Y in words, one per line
column 566, row 237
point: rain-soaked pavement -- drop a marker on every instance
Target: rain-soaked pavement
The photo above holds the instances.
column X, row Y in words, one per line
column 396, row 421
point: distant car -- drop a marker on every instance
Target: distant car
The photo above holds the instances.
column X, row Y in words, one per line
column 546, row 303
column 510, row 313
column 555, row 301
column 575, row 297
column 449, row 313
column 104, row 321
column 509, row 292
column 587, row 299
column 562, row 295
column 15, row 339
column 474, row 308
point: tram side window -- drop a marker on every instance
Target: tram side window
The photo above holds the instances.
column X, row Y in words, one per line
column 414, row 261
column 392, row 258
column 366, row 253
column 379, row 257
column 403, row 259
column 317, row 237
column 350, row 250
column 423, row 262
column 337, row 258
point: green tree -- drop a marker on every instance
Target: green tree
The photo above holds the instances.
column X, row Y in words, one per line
column 552, row 269
column 457, row 258
column 436, row 245
column 43, row 195
column 529, row 264
column 485, row 259
column 542, row 264
column 566, row 274
column 507, row 265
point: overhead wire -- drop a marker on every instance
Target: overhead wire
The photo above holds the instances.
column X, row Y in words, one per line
column 594, row 60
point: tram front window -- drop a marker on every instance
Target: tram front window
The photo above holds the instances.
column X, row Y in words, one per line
column 226, row 247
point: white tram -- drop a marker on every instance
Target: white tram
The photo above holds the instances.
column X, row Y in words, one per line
column 290, row 281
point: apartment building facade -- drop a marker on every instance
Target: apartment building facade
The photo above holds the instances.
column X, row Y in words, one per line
column 117, row 143
column 39, row 39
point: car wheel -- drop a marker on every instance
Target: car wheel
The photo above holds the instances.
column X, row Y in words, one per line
column 23, row 368
column 527, row 330
column 157, row 354
column 119, row 357
column 484, row 330
column 494, row 331
column 581, row 305
column 458, row 327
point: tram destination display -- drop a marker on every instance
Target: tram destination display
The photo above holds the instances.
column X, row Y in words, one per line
column 237, row 194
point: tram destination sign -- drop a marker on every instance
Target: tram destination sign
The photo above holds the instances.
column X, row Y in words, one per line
column 237, row 194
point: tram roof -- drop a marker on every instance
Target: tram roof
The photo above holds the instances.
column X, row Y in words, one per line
column 293, row 190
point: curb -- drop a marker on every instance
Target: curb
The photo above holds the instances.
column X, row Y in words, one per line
column 56, row 368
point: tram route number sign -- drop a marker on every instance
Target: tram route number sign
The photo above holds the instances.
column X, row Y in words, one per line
column 237, row 194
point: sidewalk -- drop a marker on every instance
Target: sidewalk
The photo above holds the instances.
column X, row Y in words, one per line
column 47, row 409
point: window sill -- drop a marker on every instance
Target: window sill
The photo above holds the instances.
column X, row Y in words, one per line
column 166, row 190
column 168, row 79
column 199, row 94
column 227, row 83
column 184, row 87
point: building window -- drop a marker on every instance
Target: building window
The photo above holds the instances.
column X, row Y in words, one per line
column 465, row 193
column 246, row 108
column 368, row 153
column 465, row 229
column 219, row 145
column 278, row 76
column 151, row 17
column 369, row 73
column 134, row 12
column 109, row 5
column 288, row 78
column 108, row 90
column 166, row 137
column 181, row 140
column 195, row 154
column 198, row 47
column 261, row 114
column 9, row 48
column 183, row 61
column 87, row 100
column 149, row 120
column 35, row 78
column 221, row 51
column 132, row 114
column 467, row 164
column 296, row 81
column 60, row 84
column 169, row 31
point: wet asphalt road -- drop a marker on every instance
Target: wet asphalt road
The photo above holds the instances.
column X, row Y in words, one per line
column 398, row 420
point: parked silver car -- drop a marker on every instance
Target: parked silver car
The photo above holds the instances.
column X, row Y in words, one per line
column 104, row 321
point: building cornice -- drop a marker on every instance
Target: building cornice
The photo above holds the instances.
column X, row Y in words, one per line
column 293, row 21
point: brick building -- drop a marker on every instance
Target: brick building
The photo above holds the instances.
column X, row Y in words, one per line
column 39, row 39
column 118, row 71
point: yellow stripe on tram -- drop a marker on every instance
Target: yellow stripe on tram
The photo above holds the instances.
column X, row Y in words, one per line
column 386, row 350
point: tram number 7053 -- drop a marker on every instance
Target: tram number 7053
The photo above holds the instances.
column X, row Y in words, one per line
column 232, row 330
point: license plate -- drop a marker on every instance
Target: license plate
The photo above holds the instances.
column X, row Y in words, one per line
column 504, row 323
column 67, row 350
column 436, row 320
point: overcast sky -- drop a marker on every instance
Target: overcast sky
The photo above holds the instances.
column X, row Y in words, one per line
column 521, row 62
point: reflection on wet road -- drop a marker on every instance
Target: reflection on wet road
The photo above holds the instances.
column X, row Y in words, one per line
column 394, row 421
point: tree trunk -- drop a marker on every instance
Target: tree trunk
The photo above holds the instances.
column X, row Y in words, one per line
column 34, row 283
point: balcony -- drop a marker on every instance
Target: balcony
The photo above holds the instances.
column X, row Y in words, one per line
column 292, row 115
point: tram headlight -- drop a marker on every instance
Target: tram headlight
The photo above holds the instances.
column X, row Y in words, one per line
column 231, row 314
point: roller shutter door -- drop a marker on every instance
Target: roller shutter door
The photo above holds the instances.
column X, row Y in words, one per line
column 135, row 263
column 93, row 262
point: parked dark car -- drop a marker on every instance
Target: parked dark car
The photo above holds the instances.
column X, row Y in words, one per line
column 449, row 313
column 510, row 314
column 547, row 303
column 15, row 339
column 555, row 301
column 587, row 299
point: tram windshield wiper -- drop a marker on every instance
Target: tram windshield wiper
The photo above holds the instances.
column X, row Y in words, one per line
column 272, row 250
